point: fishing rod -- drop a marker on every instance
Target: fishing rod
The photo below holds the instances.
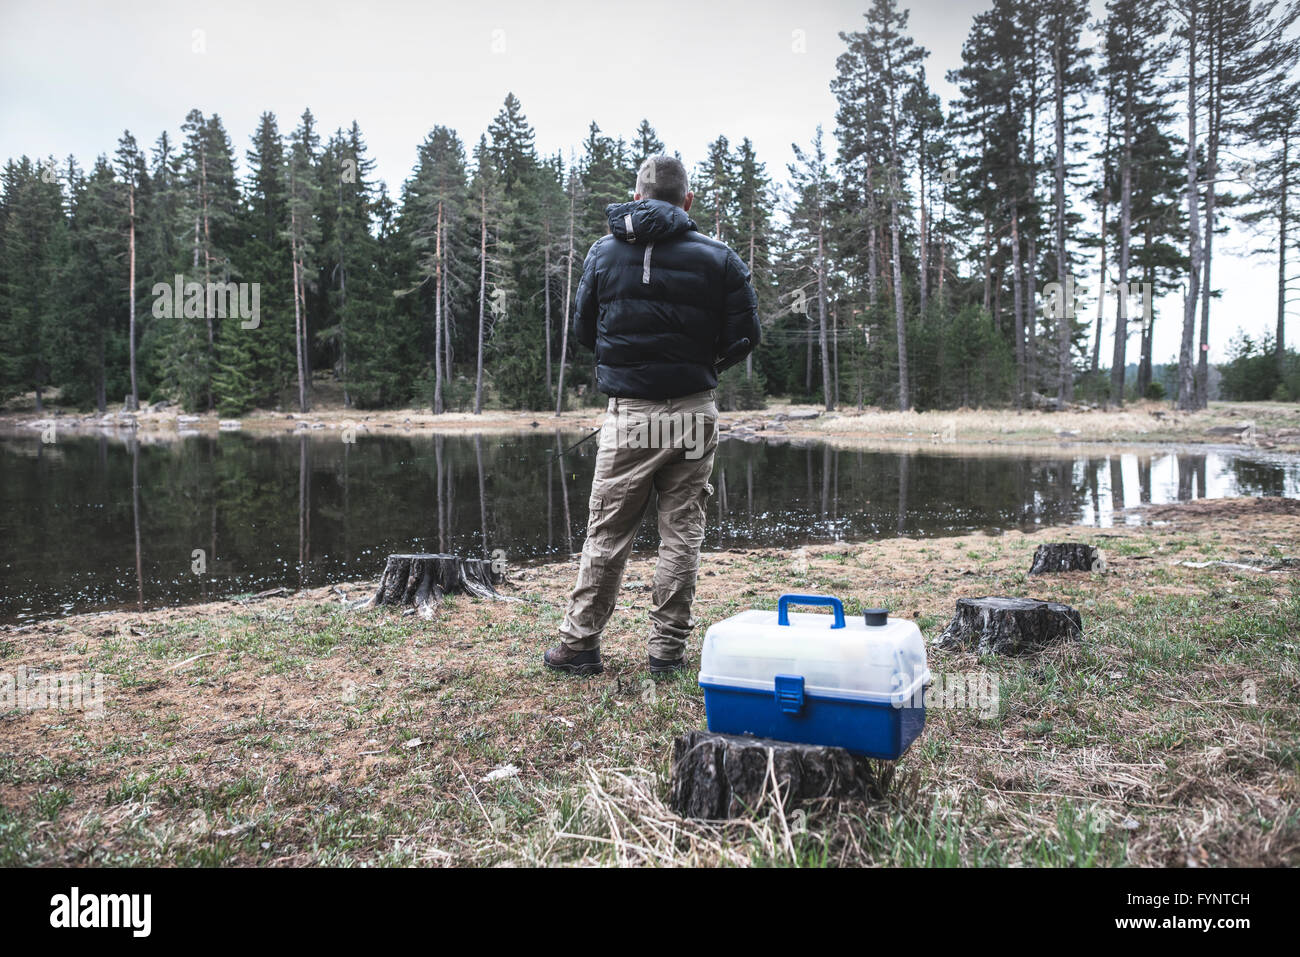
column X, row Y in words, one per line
column 585, row 438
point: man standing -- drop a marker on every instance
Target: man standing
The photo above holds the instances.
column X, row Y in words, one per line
column 665, row 309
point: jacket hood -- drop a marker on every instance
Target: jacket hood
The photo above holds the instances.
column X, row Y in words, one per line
column 645, row 220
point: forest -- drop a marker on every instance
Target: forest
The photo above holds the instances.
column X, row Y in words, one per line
column 928, row 257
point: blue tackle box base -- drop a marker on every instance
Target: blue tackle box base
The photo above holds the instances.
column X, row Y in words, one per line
column 860, row 727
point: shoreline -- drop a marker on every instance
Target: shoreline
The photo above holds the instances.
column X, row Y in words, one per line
column 1256, row 427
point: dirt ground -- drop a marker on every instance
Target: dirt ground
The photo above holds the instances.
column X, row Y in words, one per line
column 297, row 729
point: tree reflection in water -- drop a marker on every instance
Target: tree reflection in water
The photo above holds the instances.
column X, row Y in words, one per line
column 91, row 522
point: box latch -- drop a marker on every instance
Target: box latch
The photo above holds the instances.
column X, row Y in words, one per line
column 789, row 693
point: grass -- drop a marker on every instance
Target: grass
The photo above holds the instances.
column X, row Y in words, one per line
column 293, row 731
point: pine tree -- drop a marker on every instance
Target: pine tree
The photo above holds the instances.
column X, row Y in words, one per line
column 303, row 234
column 1135, row 59
column 209, row 210
column 753, row 229
column 1071, row 79
column 492, row 211
column 1273, row 185
column 645, row 144
column 714, row 207
column 1188, row 28
column 1247, row 52
column 552, row 218
column 34, row 245
column 131, row 169
column 530, row 196
column 348, row 250
column 603, row 172
column 813, row 188
column 576, row 193
column 1157, row 221
column 255, row 365
column 160, row 260
column 434, row 208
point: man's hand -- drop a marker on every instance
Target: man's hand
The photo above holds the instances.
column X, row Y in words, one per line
column 736, row 353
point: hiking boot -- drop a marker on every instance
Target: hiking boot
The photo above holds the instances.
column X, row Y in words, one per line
column 666, row 666
column 564, row 658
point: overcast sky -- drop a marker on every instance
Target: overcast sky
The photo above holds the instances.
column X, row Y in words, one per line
column 74, row 74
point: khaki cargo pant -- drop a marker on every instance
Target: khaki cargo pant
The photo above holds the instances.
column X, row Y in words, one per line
column 668, row 446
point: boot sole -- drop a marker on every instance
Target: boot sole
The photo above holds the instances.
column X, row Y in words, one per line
column 667, row 670
column 588, row 669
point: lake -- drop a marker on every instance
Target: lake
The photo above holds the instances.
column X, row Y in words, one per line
column 94, row 522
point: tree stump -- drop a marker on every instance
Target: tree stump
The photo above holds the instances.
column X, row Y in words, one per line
column 1067, row 557
column 1009, row 626
column 420, row 580
column 718, row 776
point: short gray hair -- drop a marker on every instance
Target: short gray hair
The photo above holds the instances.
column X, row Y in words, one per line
column 662, row 177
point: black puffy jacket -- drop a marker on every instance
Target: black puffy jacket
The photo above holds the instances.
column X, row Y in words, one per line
column 660, row 303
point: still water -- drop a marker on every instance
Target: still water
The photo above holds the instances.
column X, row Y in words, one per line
column 92, row 523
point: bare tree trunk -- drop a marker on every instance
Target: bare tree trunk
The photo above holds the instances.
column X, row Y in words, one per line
column 1214, row 115
column 900, row 319
column 482, row 294
column 827, row 395
column 1064, row 321
column 749, row 359
column 1282, row 224
column 546, row 294
column 343, row 304
column 1031, row 309
column 1119, row 356
column 988, row 266
column 568, row 300
column 1031, row 240
column 207, row 266
column 1186, row 362
column 447, row 366
column 1148, row 325
column 1101, row 288
column 923, row 240
column 943, row 266
column 873, row 259
column 1017, row 302
column 297, row 306
column 1105, row 211
column 835, row 352
column 437, row 316
column 808, row 367
column 135, row 392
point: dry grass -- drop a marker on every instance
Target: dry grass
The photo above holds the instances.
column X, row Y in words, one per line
column 293, row 731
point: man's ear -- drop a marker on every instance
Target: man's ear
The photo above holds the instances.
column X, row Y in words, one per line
column 635, row 197
column 686, row 206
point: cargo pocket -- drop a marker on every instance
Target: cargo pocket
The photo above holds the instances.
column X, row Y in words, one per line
column 705, row 493
column 596, row 507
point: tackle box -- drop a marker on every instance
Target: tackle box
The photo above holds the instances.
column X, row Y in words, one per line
column 819, row 679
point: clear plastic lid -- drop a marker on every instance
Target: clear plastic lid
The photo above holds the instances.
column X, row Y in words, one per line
column 878, row 663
